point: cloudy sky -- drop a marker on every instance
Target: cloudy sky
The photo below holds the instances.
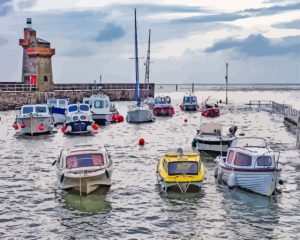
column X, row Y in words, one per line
column 191, row 39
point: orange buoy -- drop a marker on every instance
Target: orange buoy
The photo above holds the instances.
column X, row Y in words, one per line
column 141, row 141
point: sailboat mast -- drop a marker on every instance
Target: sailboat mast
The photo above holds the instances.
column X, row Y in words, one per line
column 137, row 87
column 147, row 74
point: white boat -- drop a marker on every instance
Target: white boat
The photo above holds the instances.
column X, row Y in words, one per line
column 33, row 119
column 211, row 138
column 139, row 112
column 84, row 168
column 103, row 111
column 249, row 165
column 189, row 103
column 79, row 120
column 150, row 101
column 58, row 108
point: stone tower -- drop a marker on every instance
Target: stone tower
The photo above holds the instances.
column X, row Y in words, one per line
column 37, row 67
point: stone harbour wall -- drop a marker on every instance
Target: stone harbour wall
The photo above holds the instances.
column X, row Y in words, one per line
column 11, row 100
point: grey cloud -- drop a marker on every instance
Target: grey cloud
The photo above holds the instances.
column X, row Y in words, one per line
column 289, row 25
column 110, row 32
column 257, row 45
column 274, row 9
column 5, row 7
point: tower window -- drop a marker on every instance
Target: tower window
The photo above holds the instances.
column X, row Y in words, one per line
column 45, row 79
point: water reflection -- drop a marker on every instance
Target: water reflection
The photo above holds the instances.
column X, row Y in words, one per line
column 93, row 203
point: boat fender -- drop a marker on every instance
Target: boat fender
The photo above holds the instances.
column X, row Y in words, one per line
column 216, row 172
column 280, row 181
column 62, row 178
column 194, row 143
column 107, row 173
column 89, row 128
column 219, row 176
column 231, row 180
column 69, row 129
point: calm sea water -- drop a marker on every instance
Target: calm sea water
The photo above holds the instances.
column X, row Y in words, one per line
column 33, row 207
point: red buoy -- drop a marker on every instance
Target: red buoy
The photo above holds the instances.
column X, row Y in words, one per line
column 120, row 118
column 115, row 118
column 185, row 120
column 141, row 141
column 23, row 125
column 15, row 126
column 64, row 128
column 95, row 126
column 42, row 127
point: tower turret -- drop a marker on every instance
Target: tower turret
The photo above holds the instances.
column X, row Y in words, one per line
column 37, row 66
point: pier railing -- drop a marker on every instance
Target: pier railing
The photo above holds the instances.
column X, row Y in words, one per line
column 17, row 87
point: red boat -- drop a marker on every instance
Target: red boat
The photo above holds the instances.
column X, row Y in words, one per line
column 211, row 112
column 163, row 107
column 210, row 108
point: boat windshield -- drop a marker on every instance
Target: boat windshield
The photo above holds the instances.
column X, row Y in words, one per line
column 41, row 109
column 190, row 99
column 100, row 104
column 73, row 108
column 84, row 160
column 84, row 107
column 179, row 168
column 249, row 142
column 26, row 110
column 160, row 100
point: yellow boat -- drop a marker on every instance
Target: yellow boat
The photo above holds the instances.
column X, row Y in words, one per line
column 180, row 171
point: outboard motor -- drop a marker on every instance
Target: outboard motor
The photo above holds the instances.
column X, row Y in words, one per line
column 232, row 130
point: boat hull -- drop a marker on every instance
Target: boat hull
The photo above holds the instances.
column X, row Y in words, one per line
column 211, row 112
column 33, row 123
column 59, row 114
column 86, row 184
column 139, row 116
column 262, row 181
column 182, row 187
column 102, row 119
column 80, row 127
column 213, row 145
column 189, row 107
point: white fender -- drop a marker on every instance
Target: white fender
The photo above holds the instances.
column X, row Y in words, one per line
column 69, row 129
column 219, row 176
column 216, row 172
column 231, row 180
column 89, row 128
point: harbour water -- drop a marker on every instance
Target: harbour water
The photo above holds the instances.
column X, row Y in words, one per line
column 33, row 207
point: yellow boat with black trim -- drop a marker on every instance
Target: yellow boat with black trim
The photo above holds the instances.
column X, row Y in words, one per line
column 180, row 171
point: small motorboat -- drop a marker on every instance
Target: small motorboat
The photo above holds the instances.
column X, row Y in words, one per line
column 84, row 168
column 180, row 171
column 163, row 106
column 79, row 120
column 189, row 103
column 249, row 165
column 58, row 108
column 138, row 112
column 33, row 120
column 211, row 138
column 210, row 108
column 103, row 111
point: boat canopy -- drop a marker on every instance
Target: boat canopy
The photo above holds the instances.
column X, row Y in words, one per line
column 84, row 160
column 249, row 142
column 190, row 99
column 39, row 109
column 211, row 128
column 183, row 168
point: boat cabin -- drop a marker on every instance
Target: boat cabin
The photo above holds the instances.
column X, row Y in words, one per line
column 211, row 103
column 82, row 157
column 189, row 100
column 163, row 100
column 250, row 153
column 78, row 108
column 57, row 103
column 39, row 109
column 98, row 104
column 211, row 129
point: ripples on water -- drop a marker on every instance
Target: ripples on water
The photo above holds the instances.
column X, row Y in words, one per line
column 33, row 207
